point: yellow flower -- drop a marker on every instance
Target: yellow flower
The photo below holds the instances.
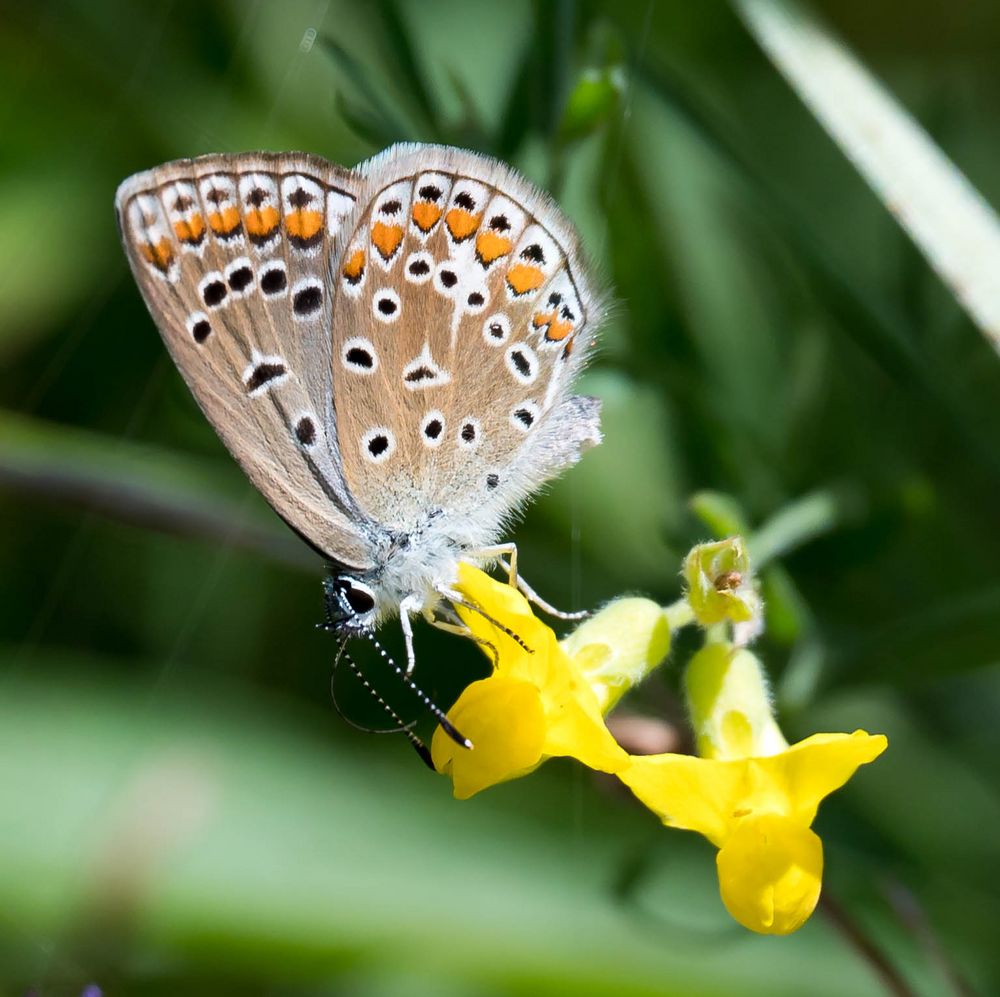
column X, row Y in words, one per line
column 548, row 701
column 751, row 795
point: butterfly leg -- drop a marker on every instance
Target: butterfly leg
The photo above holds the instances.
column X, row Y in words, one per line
column 497, row 553
column 509, row 550
column 457, row 599
column 411, row 604
column 463, row 631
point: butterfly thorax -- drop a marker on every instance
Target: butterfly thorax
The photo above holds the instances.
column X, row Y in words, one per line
column 414, row 562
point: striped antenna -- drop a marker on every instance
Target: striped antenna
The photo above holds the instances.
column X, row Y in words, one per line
column 435, row 710
column 401, row 727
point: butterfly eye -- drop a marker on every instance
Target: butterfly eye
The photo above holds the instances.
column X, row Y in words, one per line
column 359, row 599
column 353, row 595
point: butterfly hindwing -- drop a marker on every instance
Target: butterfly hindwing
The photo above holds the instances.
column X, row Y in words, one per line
column 232, row 254
column 462, row 311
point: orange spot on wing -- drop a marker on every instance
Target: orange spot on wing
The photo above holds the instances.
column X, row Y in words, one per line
column 261, row 222
column 523, row 278
column 490, row 247
column 426, row 215
column 387, row 239
column 191, row 231
column 224, row 222
column 461, row 223
column 355, row 266
column 304, row 225
column 159, row 255
column 557, row 330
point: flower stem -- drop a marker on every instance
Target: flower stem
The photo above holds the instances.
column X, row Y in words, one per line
column 679, row 614
column 852, row 933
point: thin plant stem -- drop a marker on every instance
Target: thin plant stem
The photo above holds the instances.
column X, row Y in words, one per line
column 852, row 933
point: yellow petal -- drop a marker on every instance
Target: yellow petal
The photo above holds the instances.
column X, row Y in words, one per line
column 578, row 730
column 812, row 769
column 506, row 724
column 770, row 873
column 506, row 605
column 696, row 794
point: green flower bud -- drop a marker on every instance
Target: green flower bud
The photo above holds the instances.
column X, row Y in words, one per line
column 619, row 646
column 591, row 102
column 730, row 705
column 720, row 585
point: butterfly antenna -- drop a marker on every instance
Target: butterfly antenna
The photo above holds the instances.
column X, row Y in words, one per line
column 401, row 727
column 429, row 704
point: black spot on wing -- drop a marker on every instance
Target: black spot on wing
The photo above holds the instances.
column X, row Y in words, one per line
column 214, row 293
column 273, row 281
column 240, row 279
column 305, row 431
column 419, row 374
column 308, row 300
column 358, row 356
column 265, row 372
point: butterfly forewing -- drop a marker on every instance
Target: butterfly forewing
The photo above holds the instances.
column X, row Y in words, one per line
column 461, row 311
column 232, row 254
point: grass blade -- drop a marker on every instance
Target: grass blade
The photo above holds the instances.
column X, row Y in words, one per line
column 948, row 220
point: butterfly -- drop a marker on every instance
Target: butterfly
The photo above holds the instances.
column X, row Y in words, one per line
column 387, row 351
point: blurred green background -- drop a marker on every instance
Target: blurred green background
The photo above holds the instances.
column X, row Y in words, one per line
column 180, row 809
